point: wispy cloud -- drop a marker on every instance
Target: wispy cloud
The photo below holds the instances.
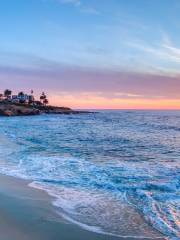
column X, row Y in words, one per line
column 76, row 3
column 165, row 51
column 84, row 8
column 59, row 77
column 90, row 10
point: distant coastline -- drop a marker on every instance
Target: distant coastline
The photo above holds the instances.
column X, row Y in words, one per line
column 18, row 109
column 24, row 104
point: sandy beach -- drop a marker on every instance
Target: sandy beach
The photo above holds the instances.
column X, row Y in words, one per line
column 27, row 214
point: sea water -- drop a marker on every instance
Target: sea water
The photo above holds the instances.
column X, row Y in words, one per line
column 114, row 172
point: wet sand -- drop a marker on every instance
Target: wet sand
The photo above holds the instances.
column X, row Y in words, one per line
column 27, row 213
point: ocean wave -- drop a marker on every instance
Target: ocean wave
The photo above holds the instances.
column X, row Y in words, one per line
column 99, row 212
column 101, row 168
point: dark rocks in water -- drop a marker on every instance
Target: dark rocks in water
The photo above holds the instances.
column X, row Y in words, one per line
column 12, row 109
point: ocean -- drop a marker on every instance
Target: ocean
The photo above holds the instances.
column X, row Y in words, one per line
column 110, row 172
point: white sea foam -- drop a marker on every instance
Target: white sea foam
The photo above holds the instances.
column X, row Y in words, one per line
column 98, row 212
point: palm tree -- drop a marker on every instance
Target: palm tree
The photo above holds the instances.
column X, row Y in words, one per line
column 45, row 101
column 42, row 97
column 31, row 98
column 20, row 94
column 7, row 93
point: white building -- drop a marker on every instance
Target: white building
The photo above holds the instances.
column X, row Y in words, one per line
column 24, row 98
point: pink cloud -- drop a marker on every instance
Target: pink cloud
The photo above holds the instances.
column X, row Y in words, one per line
column 73, row 79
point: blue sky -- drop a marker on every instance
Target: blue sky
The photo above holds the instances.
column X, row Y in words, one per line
column 91, row 47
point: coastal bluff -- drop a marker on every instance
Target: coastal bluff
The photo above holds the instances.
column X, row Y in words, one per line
column 15, row 109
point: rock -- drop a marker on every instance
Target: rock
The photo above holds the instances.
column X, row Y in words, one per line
column 7, row 113
column 13, row 109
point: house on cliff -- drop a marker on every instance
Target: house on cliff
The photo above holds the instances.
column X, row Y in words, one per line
column 22, row 98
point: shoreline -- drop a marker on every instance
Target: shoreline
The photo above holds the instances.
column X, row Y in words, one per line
column 30, row 214
column 9, row 109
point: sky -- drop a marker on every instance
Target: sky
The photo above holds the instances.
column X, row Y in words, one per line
column 104, row 54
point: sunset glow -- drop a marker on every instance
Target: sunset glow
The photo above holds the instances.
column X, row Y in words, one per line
column 92, row 102
column 85, row 54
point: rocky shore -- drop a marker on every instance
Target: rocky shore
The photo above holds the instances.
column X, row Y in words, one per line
column 12, row 109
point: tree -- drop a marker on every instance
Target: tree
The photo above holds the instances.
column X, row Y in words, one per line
column 7, row 93
column 42, row 97
column 21, row 95
column 31, row 98
column 45, row 101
